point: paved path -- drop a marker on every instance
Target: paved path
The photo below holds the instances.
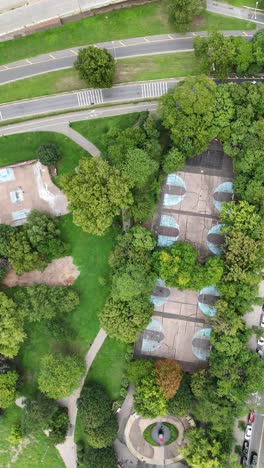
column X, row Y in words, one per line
column 78, row 138
column 68, row 449
column 140, row 46
column 48, row 124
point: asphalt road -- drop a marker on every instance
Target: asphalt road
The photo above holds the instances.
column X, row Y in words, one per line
column 86, row 98
column 62, row 59
column 257, row 440
column 91, row 97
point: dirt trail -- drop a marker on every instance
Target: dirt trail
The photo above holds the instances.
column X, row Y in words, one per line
column 60, row 272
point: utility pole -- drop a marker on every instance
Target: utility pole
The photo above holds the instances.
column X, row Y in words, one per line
column 256, row 9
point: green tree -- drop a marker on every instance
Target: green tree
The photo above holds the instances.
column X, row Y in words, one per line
column 49, row 154
column 44, row 235
column 168, row 376
column 139, row 167
column 8, row 382
column 95, row 407
column 59, row 375
column 258, row 48
column 203, row 452
column 40, row 302
column 44, row 414
column 139, row 369
column 241, row 217
column 149, row 399
column 130, row 282
column 104, row 435
column 182, row 402
column 174, row 161
column 21, row 254
column 243, row 56
column 100, row 458
column 216, row 54
column 96, row 66
column 188, row 113
column 97, row 192
column 11, row 331
column 133, row 247
column 5, row 234
column 124, row 321
column 182, row 12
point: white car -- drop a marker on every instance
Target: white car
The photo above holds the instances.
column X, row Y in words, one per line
column 261, row 341
column 248, row 432
column 262, row 321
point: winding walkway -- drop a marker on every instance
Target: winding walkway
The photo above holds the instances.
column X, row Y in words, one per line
column 68, row 450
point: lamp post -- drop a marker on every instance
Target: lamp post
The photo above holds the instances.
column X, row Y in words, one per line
column 256, row 10
column 113, row 44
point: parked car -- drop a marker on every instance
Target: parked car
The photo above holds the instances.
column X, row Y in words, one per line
column 248, row 432
column 243, row 461
column 262, row 321
column 251, row 417
column 261, row 341
column 254, row 459
column 246, row 444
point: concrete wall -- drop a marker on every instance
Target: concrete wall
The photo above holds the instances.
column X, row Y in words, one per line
column 20, row 17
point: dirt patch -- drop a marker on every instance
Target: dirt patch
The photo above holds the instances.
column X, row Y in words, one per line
column 61, row 272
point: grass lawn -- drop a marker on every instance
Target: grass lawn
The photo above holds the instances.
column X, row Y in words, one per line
column 34, row 452
column 147, row 20
column 108, row 366
column 241, row 3
column 133, row 69
column 95, row 130
column 23, row 147
column 90, row 254
column 148, row 436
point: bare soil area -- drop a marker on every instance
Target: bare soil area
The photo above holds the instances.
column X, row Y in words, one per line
column 60, row 272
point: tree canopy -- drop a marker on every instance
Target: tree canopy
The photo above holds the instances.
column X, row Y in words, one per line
column 11, row 331
column 182, row 12
column 8, row 382
column 95, row 66
column 97, row 192
column 59, row 375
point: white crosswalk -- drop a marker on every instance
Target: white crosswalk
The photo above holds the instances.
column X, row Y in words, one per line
column 154, row 89
column 89, row 97
column 1, row 117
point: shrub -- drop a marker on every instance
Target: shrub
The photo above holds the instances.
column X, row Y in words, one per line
column 49, row 154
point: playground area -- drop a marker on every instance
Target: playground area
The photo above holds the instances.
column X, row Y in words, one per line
column 27, row 186
column 189, row 207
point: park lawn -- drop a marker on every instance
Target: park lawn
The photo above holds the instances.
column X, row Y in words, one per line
column 23, row 147
column 90, row 255
column 95, row 130
column 33, row 452
column 133, row 69
column 109, row 366
column 144, row 20
column 214, row 22
column 241, row 3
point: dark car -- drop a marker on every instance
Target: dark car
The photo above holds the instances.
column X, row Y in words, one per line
column 243, row 461
column 245, row 448
column 254, row 459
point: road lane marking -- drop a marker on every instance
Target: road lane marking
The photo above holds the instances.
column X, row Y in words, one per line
column 245, row 34
column 154, row 89
column 260, row 443
column 90, row 97
column 52, row 56
column 1, row 117
column 74, row 51
column 171, row 37
column 28, row 61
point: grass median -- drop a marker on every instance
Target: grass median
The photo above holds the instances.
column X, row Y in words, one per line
column 133, row 69
column 144, row 20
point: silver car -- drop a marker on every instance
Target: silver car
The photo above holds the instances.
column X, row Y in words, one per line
column 248, row 432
